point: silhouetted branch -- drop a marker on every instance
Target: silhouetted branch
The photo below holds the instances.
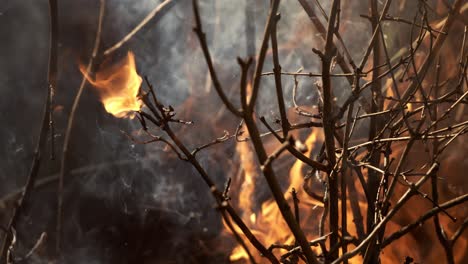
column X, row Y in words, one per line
column 428, row 215
column 162, row 7
column 404, row 198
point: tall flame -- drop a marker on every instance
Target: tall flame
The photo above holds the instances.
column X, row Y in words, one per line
column 118, row 87
column 269, row 215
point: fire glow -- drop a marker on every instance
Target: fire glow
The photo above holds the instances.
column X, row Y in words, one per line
column 269, row 214
column 118, row 87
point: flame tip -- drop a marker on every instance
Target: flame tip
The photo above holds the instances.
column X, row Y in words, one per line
column 119, row 87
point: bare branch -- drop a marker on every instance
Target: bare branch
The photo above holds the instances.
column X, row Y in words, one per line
column 162, row 7
column 428, row 215
column 64, row 166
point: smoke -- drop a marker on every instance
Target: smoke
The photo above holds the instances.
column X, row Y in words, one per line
column 143, row 196
column 135, row 203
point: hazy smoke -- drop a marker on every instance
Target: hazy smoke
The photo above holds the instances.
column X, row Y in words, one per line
column 125, row 201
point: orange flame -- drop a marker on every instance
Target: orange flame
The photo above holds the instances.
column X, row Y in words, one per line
column 247, row 189
column 238, row 253
column 260, row 221
column 118, row 87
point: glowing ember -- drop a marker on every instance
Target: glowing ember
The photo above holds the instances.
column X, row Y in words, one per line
column 253, row 218
column 118, row 87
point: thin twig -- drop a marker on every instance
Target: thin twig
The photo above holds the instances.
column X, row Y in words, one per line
column 310, row 74
column 161, row 119
column 420, row 221
column 162, row 7
column 328, row 122
column 218, row 140
column 341, row 62
column 40, row 241
column 238, row 237
column 64, row 166
column 451, row 17
column 459, row 232
column 404, row 198
column 288, row 142
column 202, row 39
column 277, row 70
column 271, row 20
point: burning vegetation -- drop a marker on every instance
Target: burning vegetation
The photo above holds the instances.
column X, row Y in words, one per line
column 118, row 87
column 356, row 157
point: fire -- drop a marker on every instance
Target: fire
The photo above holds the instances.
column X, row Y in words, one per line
column 118, row 87
column 261, row 219
column 250, row 173
column 237, row 254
